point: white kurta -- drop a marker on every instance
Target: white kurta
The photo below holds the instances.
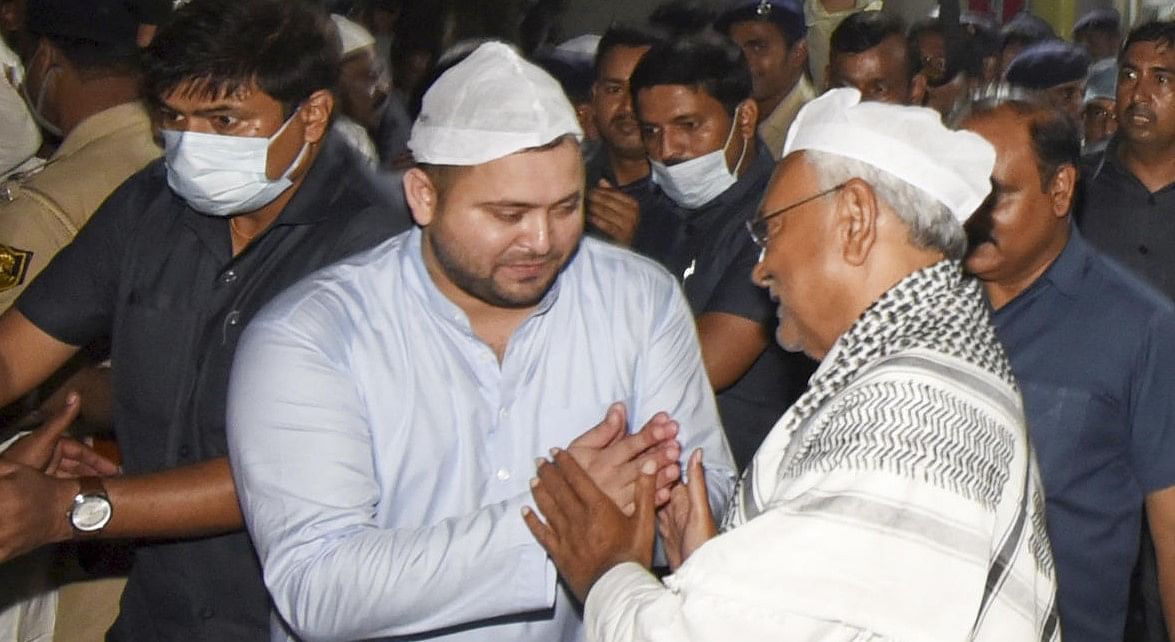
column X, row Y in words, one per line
column 897, row 500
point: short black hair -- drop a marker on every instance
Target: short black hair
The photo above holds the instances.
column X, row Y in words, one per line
column 1160, row 32
column 92, row 58
column 927, row 25
column 575, row 79
column 679, row 18
column 620, row 35
column 287, row 48
column 1056, row 141
column 96, row 36
column 708, row 62
column 865, row 30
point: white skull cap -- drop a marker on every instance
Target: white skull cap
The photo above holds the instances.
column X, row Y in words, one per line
column 352, row 35
column 492, row 104
column 910, row 143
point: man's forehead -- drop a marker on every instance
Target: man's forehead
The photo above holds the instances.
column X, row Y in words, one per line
column 1145, row 51
column 751, row 30
column 538, row 176
column 623, row 55
column 205, row 93
column 674, row 101
column 793, row 174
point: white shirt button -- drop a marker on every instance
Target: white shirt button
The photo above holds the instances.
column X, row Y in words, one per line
column 503, row 474
column 503, row 412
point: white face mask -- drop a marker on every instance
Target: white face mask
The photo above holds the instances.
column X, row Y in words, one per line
column 224, row 175
column 695, row 182
column 36, row 107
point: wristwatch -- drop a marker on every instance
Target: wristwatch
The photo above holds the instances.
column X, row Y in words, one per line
column 91, row 510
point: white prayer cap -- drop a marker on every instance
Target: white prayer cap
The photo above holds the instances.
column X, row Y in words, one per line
column 352, row 35
column 910, row 143
column 579, row 48
column 490, row 105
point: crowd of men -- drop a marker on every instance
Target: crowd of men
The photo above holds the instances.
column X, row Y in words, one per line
column 778, row 320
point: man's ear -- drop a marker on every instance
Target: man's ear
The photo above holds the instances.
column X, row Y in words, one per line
column 315, row 114
column 1061, row 189
column 585, row 114
column 918, row 90
column 421, row 195
column 748, row 117
column 856, row 219
column 799, row 52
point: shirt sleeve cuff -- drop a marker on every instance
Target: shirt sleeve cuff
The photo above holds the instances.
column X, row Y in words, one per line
column 531, row 560
column 613, row 593
column 11, row 440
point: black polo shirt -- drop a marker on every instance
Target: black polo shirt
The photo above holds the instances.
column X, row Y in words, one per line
column 1124, row 219
column 712, row 253
column 160, row 280
column 596, row 167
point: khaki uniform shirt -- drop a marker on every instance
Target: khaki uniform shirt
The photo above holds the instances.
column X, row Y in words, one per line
column 773, row 129
column 41, row 213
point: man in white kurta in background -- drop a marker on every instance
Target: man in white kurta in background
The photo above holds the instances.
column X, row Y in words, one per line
column 898, row 499
column 384, row 415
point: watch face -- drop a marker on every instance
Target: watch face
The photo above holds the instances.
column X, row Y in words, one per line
column 91, row 513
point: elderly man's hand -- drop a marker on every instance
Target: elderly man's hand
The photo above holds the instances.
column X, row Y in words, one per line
column 34, row 506
column 613, row 458
column 585, row 533
column 687, row 522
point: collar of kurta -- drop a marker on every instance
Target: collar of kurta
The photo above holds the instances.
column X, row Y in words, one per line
column 936, row 307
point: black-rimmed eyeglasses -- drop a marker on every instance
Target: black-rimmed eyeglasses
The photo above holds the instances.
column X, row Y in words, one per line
column 758, row 225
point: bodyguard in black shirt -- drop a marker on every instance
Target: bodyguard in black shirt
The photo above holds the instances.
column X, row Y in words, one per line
column 1128, row 192
column 697, row 118
column 253, row 194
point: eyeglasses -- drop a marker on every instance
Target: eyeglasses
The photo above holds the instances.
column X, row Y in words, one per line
column 758, row 225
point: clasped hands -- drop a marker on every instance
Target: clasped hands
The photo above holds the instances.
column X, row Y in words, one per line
column 605, row 496
column 35, row 474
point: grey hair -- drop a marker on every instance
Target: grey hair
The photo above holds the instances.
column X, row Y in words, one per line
column 931, row 224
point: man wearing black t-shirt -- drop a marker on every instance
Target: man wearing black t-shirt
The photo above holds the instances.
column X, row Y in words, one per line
column 697, row 117
column 254, row 194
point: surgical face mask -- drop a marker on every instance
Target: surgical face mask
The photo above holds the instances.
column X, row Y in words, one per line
column 698, row 181
column 36, row 107
column 224, row 175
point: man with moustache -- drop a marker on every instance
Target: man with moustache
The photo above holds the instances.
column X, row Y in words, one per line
column 693, row 101
column 898, row 499
column 382, row 473
column 1129, row 195
column 774, row 40
column 1093, row 350
column 871, row 53
column 618, row 179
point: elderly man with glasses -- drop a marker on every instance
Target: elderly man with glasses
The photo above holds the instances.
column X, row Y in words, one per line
column 903, row 475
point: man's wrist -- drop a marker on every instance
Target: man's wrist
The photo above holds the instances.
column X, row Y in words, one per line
column 65, row 490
